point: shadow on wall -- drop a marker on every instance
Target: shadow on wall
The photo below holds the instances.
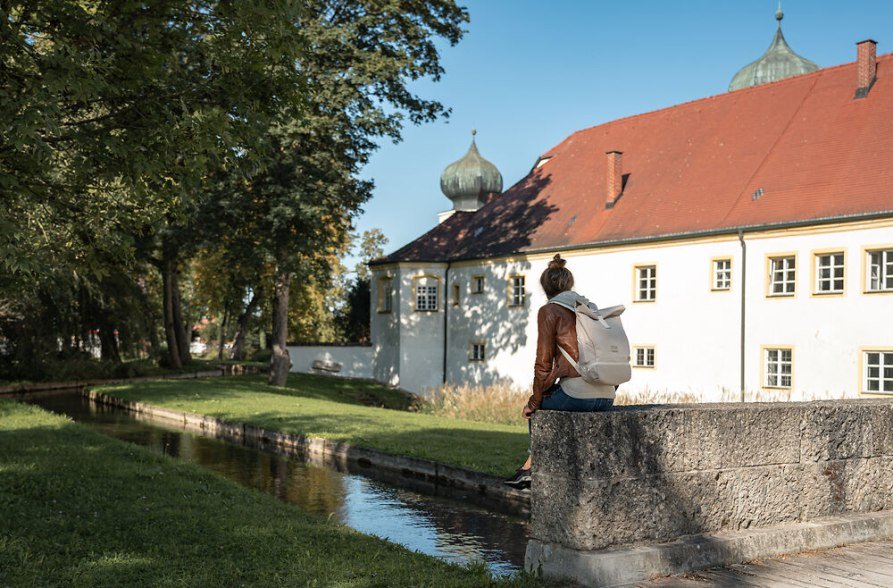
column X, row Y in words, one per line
column 506, row 225
column 491, row 319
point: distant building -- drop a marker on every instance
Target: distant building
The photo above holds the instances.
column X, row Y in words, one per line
column 749, row 234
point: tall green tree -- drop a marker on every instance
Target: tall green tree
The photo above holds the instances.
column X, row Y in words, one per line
column 360, row 61
column 115, row 114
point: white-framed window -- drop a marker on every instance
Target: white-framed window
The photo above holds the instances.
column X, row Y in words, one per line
column 722, row 274
column 477, row 351
column 385, row 295
column 517, row 291
column 877, row 371
column 427, row 293
column 829, row 273
column 777, row 367
column 643, row 356
column 782, row 275
column 646, row 283
column 879, row 274
column 454, row 299
column 477, row 284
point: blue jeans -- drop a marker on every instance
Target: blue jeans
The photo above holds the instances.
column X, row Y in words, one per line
column 559, row 400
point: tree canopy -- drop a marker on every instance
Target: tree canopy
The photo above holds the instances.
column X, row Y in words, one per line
column 146, row 142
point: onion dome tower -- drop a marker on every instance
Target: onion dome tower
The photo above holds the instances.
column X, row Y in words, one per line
column 777, row 63
column 469, row 181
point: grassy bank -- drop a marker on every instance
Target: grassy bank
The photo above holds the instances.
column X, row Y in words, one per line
column 81, row 509
column 80, row 369
column 352, row 411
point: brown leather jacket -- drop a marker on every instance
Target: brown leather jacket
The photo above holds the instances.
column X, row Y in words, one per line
column 556, row 325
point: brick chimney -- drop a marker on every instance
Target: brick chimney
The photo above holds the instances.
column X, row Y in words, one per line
column 614, row 177
column 866, row 67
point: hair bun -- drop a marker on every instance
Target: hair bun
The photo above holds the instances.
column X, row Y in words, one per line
column 557, row 262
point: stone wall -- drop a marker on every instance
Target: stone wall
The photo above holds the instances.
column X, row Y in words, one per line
column 649, row 475
column 347, row 361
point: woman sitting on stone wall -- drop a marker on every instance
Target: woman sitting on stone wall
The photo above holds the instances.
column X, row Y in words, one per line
column 556, row 384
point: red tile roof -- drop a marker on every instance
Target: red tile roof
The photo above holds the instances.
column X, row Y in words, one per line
column 816, row 152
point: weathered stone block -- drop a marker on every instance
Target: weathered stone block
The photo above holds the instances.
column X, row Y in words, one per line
column 608, row 444
column 834, row 431
column 595, row 514
column 742, row 436
column 878, row 426
column 842, row 486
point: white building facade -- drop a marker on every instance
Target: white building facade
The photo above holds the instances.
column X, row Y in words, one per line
column 817, row 305
column 749, row 235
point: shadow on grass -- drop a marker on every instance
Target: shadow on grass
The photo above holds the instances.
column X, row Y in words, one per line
column 342, row 390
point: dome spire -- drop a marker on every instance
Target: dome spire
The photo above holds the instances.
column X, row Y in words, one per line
column 777, row 63
column 468, row 181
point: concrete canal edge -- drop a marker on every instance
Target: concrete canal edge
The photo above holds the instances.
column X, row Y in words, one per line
column 440, row 474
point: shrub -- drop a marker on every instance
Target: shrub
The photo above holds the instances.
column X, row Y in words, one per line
column 648, row 396
column 498, row 403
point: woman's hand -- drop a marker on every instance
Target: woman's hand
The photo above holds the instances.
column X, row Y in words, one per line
column 527, row 412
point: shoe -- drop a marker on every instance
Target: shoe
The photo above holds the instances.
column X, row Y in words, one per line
column 520, row 480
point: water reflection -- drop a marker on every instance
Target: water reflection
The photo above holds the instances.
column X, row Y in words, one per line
column 448, row 529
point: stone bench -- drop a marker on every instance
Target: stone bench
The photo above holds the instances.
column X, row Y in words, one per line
column 646, row 491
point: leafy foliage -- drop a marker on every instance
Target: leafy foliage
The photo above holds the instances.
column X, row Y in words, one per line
column 169, row 160
column 117, row 111
column 354, row 316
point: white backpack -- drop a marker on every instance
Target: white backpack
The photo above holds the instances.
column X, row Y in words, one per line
column 602, row 342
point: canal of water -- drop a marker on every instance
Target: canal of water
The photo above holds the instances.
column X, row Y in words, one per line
column 452, row 529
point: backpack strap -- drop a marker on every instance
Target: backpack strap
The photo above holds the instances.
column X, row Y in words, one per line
column 580, row 300
column 583, row 301
column 568, row 357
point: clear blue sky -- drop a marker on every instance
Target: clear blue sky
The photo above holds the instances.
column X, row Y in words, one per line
column 528, row 73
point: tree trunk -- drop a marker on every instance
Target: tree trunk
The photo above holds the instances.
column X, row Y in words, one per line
column 108, row 344
column 181, row 328
column 242, row 327
column 221, row 334
column 154, row 349
column 280, row 363
column 170, row 331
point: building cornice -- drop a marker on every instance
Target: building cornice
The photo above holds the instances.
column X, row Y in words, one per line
column 884, row 218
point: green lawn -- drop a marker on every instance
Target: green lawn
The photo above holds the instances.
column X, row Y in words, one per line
column 80, row 509
column 338, row 409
